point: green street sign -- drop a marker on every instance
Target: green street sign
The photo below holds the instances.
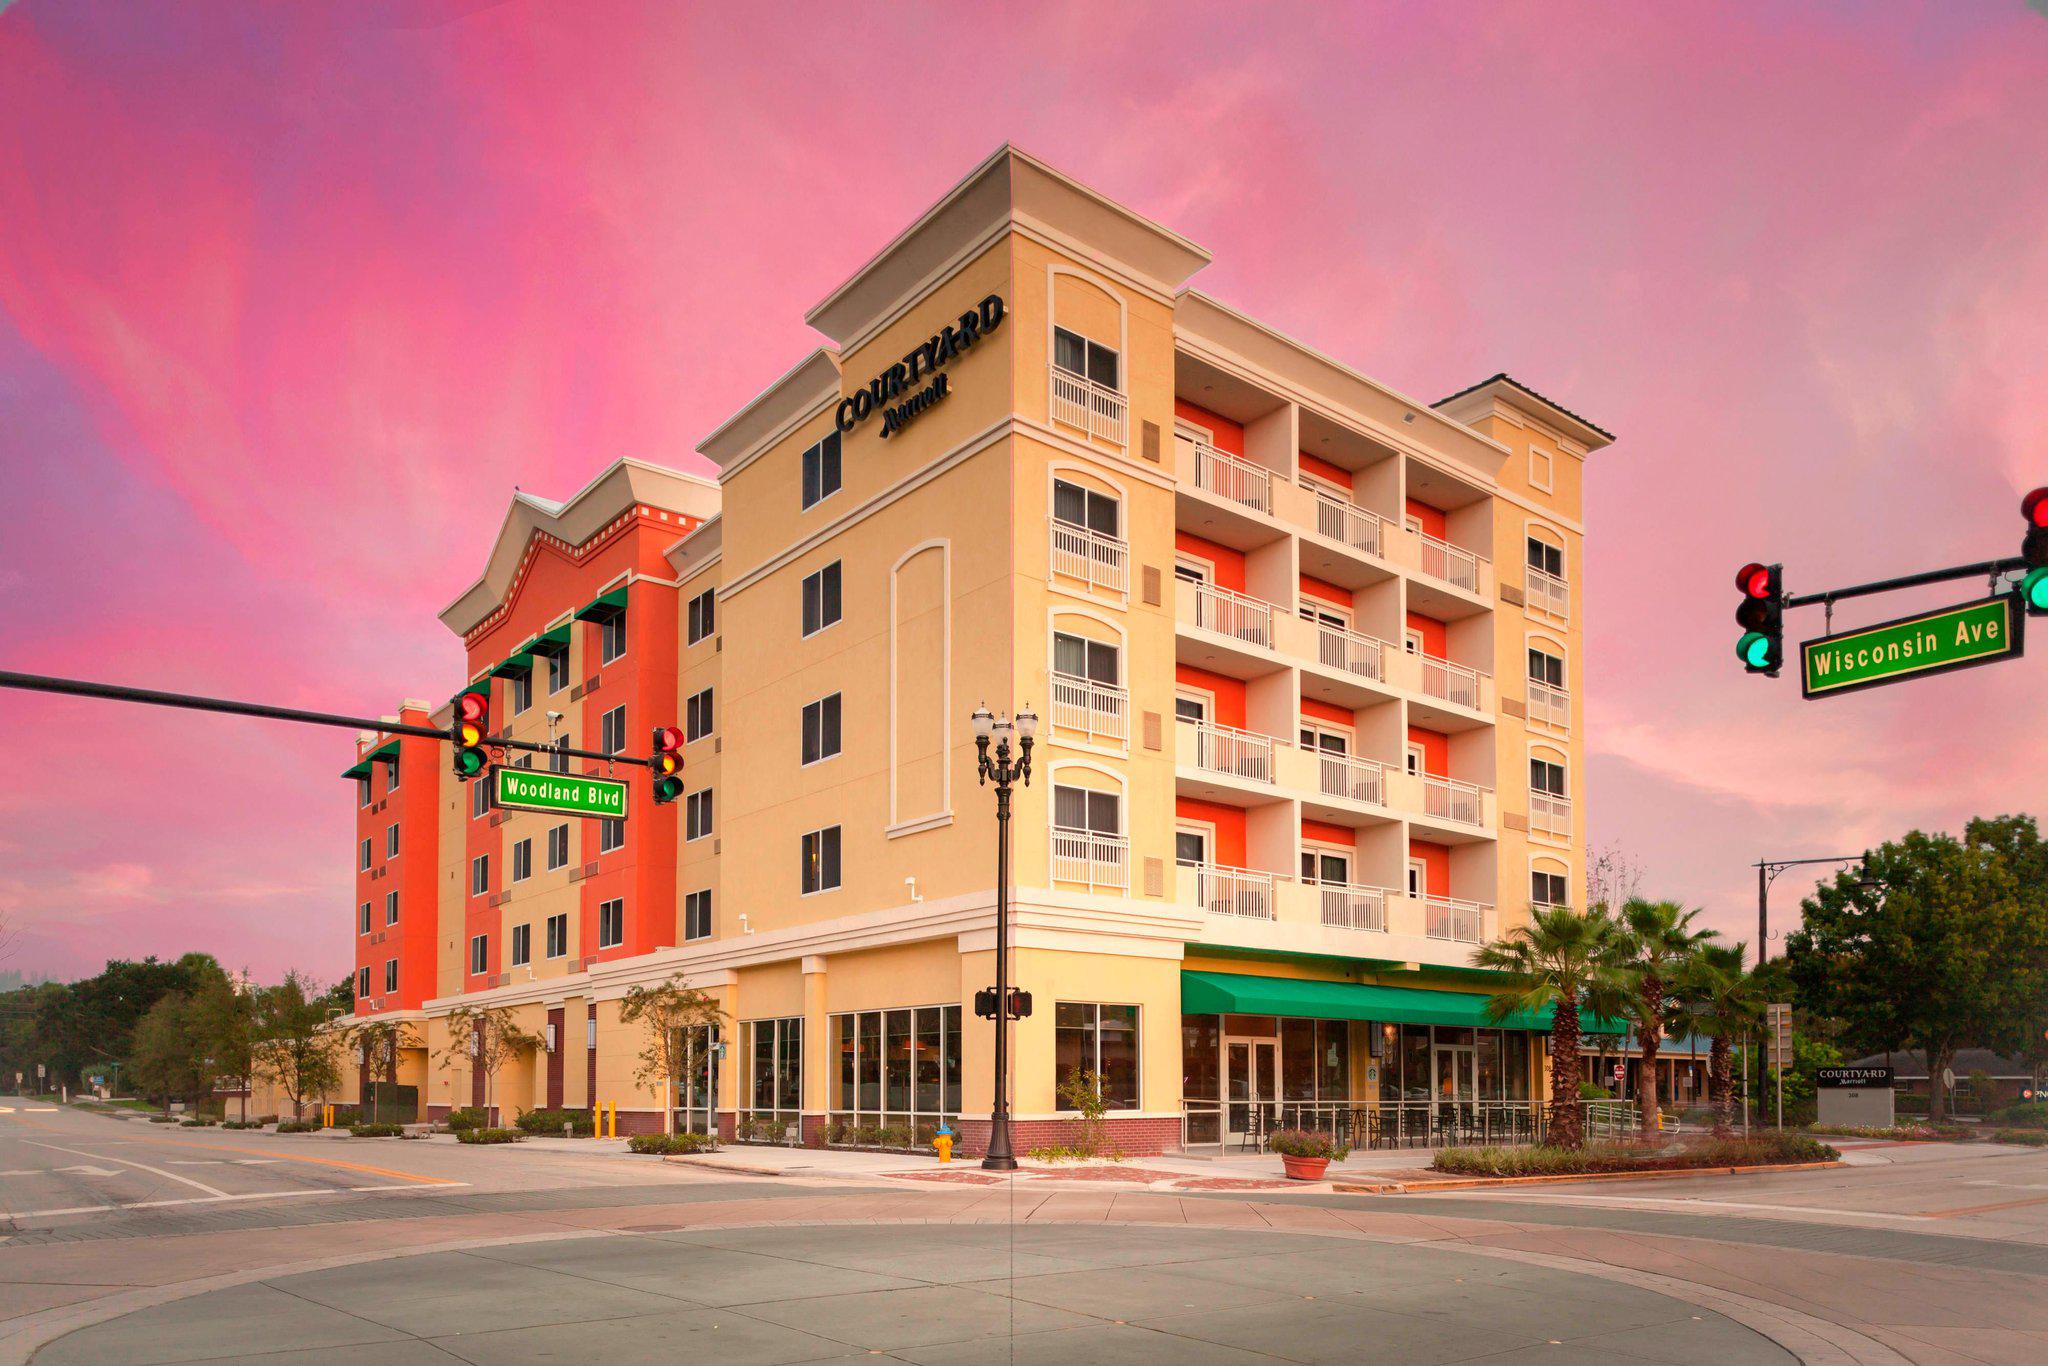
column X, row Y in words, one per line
column 523, row 789
column 1959, row 637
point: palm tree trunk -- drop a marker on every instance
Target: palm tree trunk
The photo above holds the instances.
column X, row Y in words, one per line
column 1651, row 1038
column 1721, row 1075
column 1565, row 1131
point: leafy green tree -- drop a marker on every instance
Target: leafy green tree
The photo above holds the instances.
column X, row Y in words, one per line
column 292, row 1044
column 1654, row 943
column 1562, row 959
column 1935, row 943
column 223, row 1021
column 376, row 1043
column 676, row 1017
column 166, row 1060
column 1722, row 1002
column 483, row 1039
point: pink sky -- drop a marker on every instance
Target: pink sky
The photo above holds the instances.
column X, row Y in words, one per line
column 288, row 304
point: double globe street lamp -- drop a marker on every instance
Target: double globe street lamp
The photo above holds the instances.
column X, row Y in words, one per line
column 1004, row 767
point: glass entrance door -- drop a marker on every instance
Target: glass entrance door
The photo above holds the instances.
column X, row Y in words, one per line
column 697, row 1101
column 1457, row 1083
column 1251, row 1084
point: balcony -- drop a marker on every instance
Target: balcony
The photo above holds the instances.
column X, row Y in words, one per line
column 1227, row 750
column 1351, row 651
column 1093, row 408
column 1550, row 815
column 1233, row 479
column 1347, row 523
column 1447, row 799
column 1549, row 706
column 1100, row 561
column 1349, row 907
column 1356, row 780
column 1452, row 564
column 1241, row 892
column 1098, row 712
column 1098, row 861
column 1230, row 613
column 1453, row 683
column 1546, row 593
column 1462, row 922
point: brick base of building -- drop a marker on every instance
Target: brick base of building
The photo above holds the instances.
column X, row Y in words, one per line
column 813, row 1128
column 633, row 1122
column 1134, row 1137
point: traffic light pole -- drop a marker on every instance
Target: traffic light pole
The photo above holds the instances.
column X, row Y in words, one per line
column 1767, row 871
column 1991, row 569
column 115, row 692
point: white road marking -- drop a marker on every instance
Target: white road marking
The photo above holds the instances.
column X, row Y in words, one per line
column 2002, row 1185
column 142, row 1166
column 27, row 1171
column 192, row 1162
column 90, row 1171
column 213, row 1200
column 1681, row 1204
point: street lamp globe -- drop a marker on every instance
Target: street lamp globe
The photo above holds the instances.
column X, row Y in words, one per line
column 984, row 722
column 1027, row 722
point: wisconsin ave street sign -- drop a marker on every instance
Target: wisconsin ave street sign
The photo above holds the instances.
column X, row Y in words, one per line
column 1971, row 633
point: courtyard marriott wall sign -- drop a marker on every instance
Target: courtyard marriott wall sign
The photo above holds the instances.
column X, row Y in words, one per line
column 1980, row 632
column 896, row 383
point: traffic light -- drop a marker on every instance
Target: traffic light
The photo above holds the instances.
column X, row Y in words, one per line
column 2034, row 550
column 472, row 724
column 1762, row 618
column 667, row 764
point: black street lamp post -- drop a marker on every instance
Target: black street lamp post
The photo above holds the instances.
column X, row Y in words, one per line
column 992, row 736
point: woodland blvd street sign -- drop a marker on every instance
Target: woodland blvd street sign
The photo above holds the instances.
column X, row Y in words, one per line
column 1959, row 637
column 522, row 789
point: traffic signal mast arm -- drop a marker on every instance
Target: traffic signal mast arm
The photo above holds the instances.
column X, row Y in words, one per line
column 1983, row 569
column 115, row 692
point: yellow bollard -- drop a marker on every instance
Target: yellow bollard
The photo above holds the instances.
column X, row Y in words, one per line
column 611, row 1110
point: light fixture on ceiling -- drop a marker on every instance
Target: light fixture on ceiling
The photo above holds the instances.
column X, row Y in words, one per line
column 1408, row 417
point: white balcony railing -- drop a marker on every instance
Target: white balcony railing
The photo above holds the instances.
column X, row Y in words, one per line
column 1241, row 892
column 1347, row 522
column 1447, row 799
column 1346, row 907
column 1227, row 476
column 1455, row 565
column 1550, row 815
column 1359, row 780
column 1097, row 560
column 1231, row 613
column 1547, row 593
column 1226, row 749
column 1094, row 711
column 1093, row 408
column 1450, row 682
column 1549, row 706
column 1363, row 655
column 1449, row 918
column 1101, row 862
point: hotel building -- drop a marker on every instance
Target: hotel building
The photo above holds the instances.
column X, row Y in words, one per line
column 1305, row 654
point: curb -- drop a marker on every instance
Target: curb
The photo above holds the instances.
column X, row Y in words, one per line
column 1477, row 1182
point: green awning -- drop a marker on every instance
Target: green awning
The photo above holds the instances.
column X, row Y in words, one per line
column 359, row 772
column 555, row 642
column 520, row 663
column 387, row 751
column 608, row 604
column 1233, row 993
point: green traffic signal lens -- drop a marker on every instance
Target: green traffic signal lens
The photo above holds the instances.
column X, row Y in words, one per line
column 2034, row 588
column 469, row 761
column 667, row 789
column 1755, row 650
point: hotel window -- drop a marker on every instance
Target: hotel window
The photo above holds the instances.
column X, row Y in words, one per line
column 558, row 935
column 479, row 953
column 558, row 757
column 611, row 731
column 1085, row 811
column 1548, row 889
column 363, row 856
column 1087, row 838
column 391, row 908
column 703, row 615
column 697, row 915
column 523, row 761
column 697, row 722
column 896, row 1066
column 820, row 855
column 362, row 792
column 1091, row 360
column 697, row 814
column 1099, row 1039
column 1092, row 661
column 390, row 974
column 362, row 984
column 1546, row 557
column 522, row 860
column 611, row 834
column 821, row 471
column 611, row 637
column 519, row 691
column 821, row 598
column 479, row 797
column 1546, row 777
column 480, row 875
column 821, row 729
column 558, row 846
column 611, row 924
column 558, row 671
column 391, row 775
column 1084, row 508
column 1545, row 667
column 363, row 918
column 522, row 945
column 772, row 1051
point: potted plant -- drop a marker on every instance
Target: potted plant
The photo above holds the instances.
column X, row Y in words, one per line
column 1305, row 1153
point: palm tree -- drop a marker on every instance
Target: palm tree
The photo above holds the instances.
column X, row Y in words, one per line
column 1561, row 959
column 1722, row 1002
column 1656, row 940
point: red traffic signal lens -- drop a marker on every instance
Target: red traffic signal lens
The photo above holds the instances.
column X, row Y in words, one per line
column 667, row 739
column 471, row 707
column 1753, row 581
column 2034, row 507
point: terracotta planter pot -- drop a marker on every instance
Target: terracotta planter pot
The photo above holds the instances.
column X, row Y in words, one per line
column 1304, row 1168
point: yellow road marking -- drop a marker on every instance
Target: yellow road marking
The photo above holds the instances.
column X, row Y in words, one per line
column 290, row 1157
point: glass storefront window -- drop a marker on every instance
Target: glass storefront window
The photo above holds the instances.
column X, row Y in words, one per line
column 1102, row 1039
column 1416, row 1077
column 926, row 1072
column 898, row 1069
column 1297, row 1059
column 870, row 1099
column 1333, row 1060
column 772, row 1051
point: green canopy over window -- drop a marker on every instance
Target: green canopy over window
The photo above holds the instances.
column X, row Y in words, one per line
column 359, row 772
column 555, row 642
column 387, row 751
column 521, row 663
column 1232, row 993
column 608, row 604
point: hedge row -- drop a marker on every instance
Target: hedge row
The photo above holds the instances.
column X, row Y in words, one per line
column 488, row 1136
column 671, row 1143
column 1625, row 1157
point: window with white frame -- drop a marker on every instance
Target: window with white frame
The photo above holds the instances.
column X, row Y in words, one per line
column 697, row 814
column 820, row 471
column 1545, row 667
column 1548, row 889
column 362, row 792
column 611, row 729
column 391, row 775
column 1081, row 507
column 1546, row 558
column 703, row 616
column 362, row 984
column 772, row 1052
column 1100, row 1043
column 611, row 924
column 697, row 718
column 522, row 860
column 558, row 846
column 479, row 953
column 480, row 875
column 522, row 945
column 1087, row 838
column 363, row 918
column 820, row 858
column 363, row 856
column 558, row 671
column 821, row 598
column 611, row 637
column 1546, row 777
column 611, row 834
column 1090, row 359
column 558, row 935
column 390, row 975
column 821, row 729
column 697, row 915
column 519, row 692
column 391, row 908
column 1088, row 698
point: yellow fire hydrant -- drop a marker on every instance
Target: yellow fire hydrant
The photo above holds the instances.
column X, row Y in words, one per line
column 943, row 1141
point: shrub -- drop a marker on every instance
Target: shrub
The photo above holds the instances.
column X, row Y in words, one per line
column 1593, row 1090
column 664, row 1144
column 867, row 1135
column 241, row 1124
column 549, row 1122
column 468, row 1117
column 1898, row 1133
column 197, row 1122
column 163, row 1119
column 375, row 1130
column 480, row 1135
column 297, row 1126
column 2032, row 1138
column 1307, row 1143
column 895, row 1136
column 1907, row 1103
column 2026, row 1114
column 1626, row 1157
column 264, row 1119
